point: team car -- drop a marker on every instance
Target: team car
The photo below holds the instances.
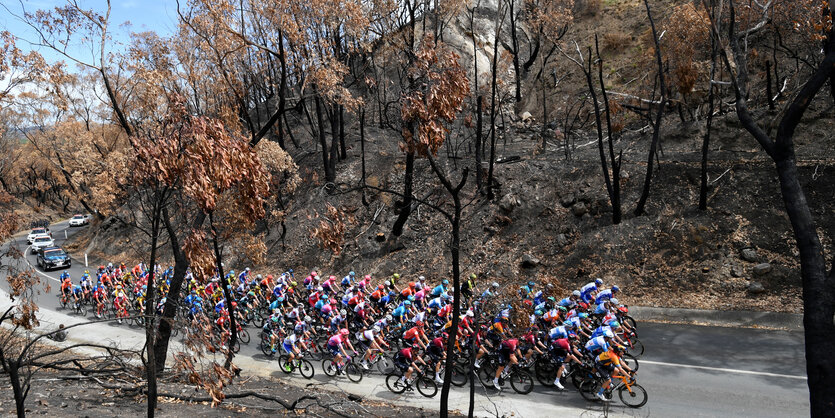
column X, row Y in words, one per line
column 53, row 257
column 79, row 220
column 37, row 232
column 41, row 242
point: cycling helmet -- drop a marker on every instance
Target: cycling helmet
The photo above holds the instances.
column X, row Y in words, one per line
column 619, row 348
column 576, row 293
column 562, row 309
column 323, row 297
column 551, row 299
column 473, row 276
column 367, row 277
column 331, row 277
column 308, row 319
column 344, row 332
column 234, row 304
column 531, row 284
column 613, row 301
column 583, row 315
column 407, row 303
column 231, row 271
column 614, row 324
column 411, row 298
column 615, row 289
column 258, row 276
column 293, row 284
column 537, row 312
column 422, row 278
column 343, row 312
column 352, row 274
column 568, row 324
column 496, row 285
column 598, row 281
column 445, row 282
column 246, row 269
column 469, row 313
column 549, row 286
column 144, row 287
column 376, row 329
column 411, row 285
column 389, row 318
column 275, row 318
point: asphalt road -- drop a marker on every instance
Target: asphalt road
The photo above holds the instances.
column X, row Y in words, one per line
column 687, row 370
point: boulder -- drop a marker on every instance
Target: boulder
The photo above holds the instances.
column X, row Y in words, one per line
column 567, row 200
column 737, row 271
column 762, row 269
column 528, row 261
column 579, row 209
column 756, row 288
column 750, row 255
column 508, row 203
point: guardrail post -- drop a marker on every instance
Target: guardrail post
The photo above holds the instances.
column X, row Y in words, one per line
column 85, row 260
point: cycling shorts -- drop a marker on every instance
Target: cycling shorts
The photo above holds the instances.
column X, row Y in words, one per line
column 288, row 348
column 605, row 370
column 402, row 364
column 504, row 356
column 334, row 349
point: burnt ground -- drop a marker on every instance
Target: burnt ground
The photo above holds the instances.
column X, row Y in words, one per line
column 51, row 395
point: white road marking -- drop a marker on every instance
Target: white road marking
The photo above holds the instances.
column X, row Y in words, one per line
column 720, row 369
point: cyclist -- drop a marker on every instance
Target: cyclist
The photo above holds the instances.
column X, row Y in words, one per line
column 77, row 295
column 391, row 282
column 66, row 284
column 347, row 280
column 468, row 287
column 560, row 351
column 440, row 289
column 508, row 352
column 120, row 302
column 100, row 296
column 406, row 360
column 609, row 363
column 289, row 346
column 416, row 336
column 273, row 327
column 369, row 341
column 336, row 345
column 589, row 291
column 437, row 355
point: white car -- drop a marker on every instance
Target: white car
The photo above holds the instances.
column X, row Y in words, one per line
column 40, row 242
column 79, row 220
column 36, row 232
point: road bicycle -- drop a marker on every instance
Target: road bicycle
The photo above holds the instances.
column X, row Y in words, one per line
column 304, row 366
column 629, row 391
column 352, row 371
column 419, row 380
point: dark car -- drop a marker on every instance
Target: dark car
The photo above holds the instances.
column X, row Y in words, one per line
column 53, row 257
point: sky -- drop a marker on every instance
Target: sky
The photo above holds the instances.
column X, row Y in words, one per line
column 126, row 16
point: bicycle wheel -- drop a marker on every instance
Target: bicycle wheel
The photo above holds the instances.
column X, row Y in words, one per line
column 284, row 362
column 266, row 348
column 637, row 348
column 306, row 369
column 394, row 384
column 486, row 374
column 329, row 367
column 546, row 372
column 635, row 398
column 244, row 336
column 459, row 376
column 630, row 361
column 82, row 310
column 426, row 386
column 353, row 372
column 237, row 347
column 628, row 320
column 384, row 365
column 521, row 382
column 588, row 390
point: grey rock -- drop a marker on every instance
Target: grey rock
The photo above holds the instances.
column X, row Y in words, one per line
column 508, row 203
column 750, row 255
column 756, row 288
column 579, row 209
column 567, row 200
column 737, row 271
column 529, row 261
column 762, row 269
column 562, row 240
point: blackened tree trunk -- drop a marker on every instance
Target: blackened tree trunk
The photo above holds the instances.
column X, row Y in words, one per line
column 478, row 141
column 514, row 43
column 227, row 295
column 656, row 126
column 343, row 154
column 706, row 142
column 172, row 301
column 493, row 95
column 323, row 141
column 282, row 90
column 150, row 297
column 406, row 206
column 362, row 152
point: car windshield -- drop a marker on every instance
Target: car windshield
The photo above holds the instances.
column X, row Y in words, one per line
column 42, row 239
column 39, row 231
column 53, row 253
column 78, row 217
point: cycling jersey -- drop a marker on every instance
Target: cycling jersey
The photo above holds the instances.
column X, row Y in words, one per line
column 608, row 358
column 558, row 332
column 603, row 296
